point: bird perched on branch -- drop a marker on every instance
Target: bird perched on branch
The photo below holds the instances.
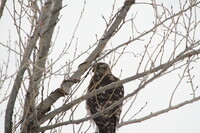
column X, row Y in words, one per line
column 108, row 120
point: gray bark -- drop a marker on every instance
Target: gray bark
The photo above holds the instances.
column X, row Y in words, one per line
column 3, row 3
column 53, row 97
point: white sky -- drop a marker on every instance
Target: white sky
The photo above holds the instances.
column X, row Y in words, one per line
column 157, row 94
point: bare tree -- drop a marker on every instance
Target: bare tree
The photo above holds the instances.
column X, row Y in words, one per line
column 169, row 46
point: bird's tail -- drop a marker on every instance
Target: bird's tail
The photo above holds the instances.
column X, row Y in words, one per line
column 107, row 129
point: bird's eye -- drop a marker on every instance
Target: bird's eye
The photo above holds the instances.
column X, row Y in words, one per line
column 101, row 68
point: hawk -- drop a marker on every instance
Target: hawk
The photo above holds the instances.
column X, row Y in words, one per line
column 108, row 121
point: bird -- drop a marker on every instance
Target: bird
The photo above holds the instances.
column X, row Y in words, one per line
column 106, row 122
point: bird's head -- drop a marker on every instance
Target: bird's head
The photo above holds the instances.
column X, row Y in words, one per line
column 101, row 69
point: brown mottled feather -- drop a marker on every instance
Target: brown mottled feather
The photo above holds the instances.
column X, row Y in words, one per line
column 108, row 121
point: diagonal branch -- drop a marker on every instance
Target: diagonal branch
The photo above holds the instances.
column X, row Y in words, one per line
column 162, row 68
column 53, row 97
column 156, row 26
column 3, row 2
column 18, row 79
column 52, row 13
column 159, row 112
column 122, row 123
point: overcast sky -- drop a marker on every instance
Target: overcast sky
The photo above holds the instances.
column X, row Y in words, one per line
column 92, row 26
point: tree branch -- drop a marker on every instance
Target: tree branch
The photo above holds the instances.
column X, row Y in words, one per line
column 18, row 79
column 46, row 33
column 159, row 112
column 3, row 2
column 122, row 123
column 162, row 67
column 53, row 97
column 153, row 28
